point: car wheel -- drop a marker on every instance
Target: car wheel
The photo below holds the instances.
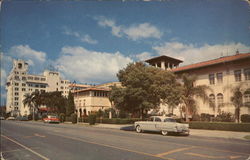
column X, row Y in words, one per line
column 138, row 129
column 164, row 133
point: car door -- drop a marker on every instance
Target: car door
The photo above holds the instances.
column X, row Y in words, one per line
column 157, row 124
column 169, row 124
column 149, row 124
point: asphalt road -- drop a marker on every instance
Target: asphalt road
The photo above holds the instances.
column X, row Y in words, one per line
column 36, row 140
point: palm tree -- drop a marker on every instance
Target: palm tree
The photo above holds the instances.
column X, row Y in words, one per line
column 190, row 91
column 29, row 101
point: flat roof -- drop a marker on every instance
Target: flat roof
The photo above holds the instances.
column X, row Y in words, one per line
column 92, row 89
column 213, row 62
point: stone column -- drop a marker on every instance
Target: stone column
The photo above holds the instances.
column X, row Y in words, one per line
column 163, row 65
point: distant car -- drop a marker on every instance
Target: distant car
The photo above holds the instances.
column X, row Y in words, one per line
column 161, row 124
column 2, row 118
column 22, row 118
column 51, row 119
column 11, row 118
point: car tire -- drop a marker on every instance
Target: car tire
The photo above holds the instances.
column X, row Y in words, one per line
column 164, row 133
column 138, row 129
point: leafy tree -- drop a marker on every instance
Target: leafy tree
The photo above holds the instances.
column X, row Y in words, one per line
column 144, row 88
column 70, row 105
column 190, row 91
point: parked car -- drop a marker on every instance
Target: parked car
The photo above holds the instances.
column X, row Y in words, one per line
column 22, row 118
column 51, row 119
column 161, row 124
column 11, row 118
column 2, row 118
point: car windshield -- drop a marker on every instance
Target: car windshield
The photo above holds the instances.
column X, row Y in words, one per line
column 169, row 120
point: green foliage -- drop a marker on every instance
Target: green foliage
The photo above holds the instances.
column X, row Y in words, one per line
column 118, row 120
column 68, row 119
column 73, row 118
column 92, row 119
column 205, row 117
column 70, row 104
column 143, row 88
column 224, row 117
column 190, row 91
column 224, row 126
column 245, row 118
column 62, row 117
column 100, row 113
column 106, row 113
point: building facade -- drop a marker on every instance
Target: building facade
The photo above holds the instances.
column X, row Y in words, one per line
column 20, row 82
column 221, row 75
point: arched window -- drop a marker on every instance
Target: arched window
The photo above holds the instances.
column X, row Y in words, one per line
column 220, row 99
column 211, row 100
column 247, row 96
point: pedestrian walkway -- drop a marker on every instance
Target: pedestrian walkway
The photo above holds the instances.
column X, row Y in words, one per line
column 193, row 132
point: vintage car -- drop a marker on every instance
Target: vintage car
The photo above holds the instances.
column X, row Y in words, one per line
column 161, row 124
column 51, row 119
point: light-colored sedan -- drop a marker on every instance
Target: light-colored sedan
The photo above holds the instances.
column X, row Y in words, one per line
column 161, row 124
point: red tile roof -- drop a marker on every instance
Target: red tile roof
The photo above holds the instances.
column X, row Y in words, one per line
column 213, row 62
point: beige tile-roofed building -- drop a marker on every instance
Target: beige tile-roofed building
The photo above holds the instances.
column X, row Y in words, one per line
column 219, row 74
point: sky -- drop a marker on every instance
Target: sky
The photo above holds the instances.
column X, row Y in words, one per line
column 90, row 41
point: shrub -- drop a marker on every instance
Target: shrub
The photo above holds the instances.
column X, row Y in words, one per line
column 73, row 118
column 62, row 117
column 245, row 118
column 224, row 117
column 196, row 117
column 225, row 126
column 118, row 120
column 68, row 119
column 92, row 119
column 205, row 117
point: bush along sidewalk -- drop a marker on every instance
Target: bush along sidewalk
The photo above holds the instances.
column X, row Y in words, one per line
column 223, row 126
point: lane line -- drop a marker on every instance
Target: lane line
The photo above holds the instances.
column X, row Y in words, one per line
column 39, row 155
column 111, row 146
column 174, row 151
column 212, row 157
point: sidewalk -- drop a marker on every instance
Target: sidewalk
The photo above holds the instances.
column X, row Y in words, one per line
column 193, row 132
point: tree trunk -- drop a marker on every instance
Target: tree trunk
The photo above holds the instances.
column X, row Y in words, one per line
column 33, row 114
column 187, row 114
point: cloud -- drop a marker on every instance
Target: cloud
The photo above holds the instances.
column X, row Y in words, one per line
column 84, row 38
column 88, row 66
column 143, row 56
column 191, row 53
column 133, row 32
column 26, row 53
column 144, row 30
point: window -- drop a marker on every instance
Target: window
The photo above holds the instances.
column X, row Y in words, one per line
column 30, row 85
column 19, row 65
column 220, row 99
column 43, row 79
column 211, row 78
column 247, row 96
column 16, row 84
column 30, row 78
column 211, row 100
column 219, row 77
column 23, row 89
column 247, row 74
column 24, row 78
column 37, row 78
column 157, row 119
column 16, row 98
column 169, row 120
column 16, row 93
column 42, row 90
column 16, row 103
column 16, row 89
column 23, row 84
column 237, row 75
column 151, row 119
column 37, row 85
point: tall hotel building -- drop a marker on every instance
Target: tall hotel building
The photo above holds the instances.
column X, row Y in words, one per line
column 20, row 82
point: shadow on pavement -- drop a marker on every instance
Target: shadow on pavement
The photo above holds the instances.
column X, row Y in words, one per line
column 127, row 128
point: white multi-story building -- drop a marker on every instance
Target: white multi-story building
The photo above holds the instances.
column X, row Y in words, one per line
column 19, row 83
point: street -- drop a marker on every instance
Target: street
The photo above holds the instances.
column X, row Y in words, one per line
column 36, row 140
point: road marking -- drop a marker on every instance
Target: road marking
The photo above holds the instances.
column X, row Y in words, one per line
column 212, row 157
column 174, row 151
column 111, row 146
column 16, row 150
column 39, row 155
column 38, row 135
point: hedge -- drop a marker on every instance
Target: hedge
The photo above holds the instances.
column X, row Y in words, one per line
column 224, row 126
column 111, row 121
